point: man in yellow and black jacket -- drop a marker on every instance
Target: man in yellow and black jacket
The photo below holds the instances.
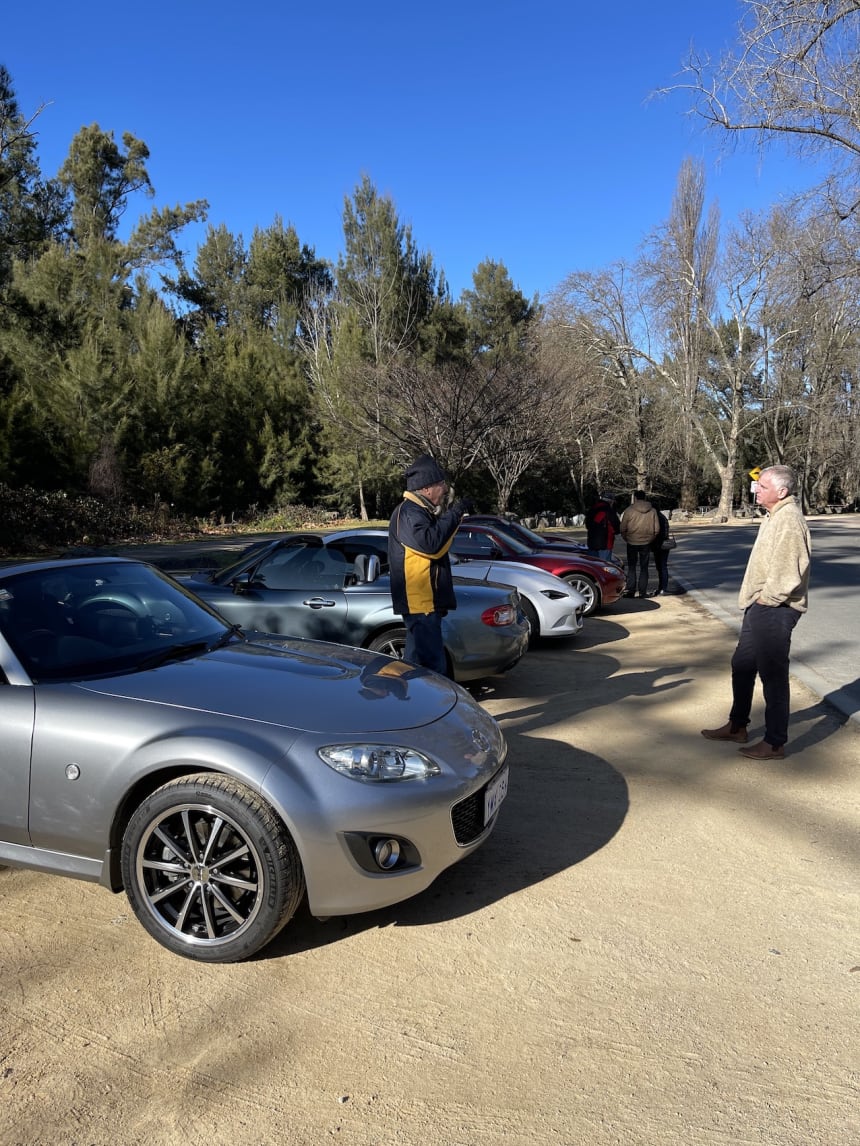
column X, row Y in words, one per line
column 419, row 537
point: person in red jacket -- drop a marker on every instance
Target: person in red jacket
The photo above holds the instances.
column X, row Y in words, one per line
column 602, row 525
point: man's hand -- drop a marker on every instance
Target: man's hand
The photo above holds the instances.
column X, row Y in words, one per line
column 463, row 506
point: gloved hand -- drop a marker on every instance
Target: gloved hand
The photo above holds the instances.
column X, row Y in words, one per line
column 464, row 505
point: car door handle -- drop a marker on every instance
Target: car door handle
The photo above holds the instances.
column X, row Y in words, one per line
column 319, row 603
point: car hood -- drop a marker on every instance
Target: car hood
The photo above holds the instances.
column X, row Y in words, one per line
column 308, row 686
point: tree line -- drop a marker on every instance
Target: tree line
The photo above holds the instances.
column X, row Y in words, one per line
column 261, row 375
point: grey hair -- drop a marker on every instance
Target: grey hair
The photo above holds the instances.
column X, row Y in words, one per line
column 785, row 475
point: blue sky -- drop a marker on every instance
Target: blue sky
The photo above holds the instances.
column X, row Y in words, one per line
column 517, row 132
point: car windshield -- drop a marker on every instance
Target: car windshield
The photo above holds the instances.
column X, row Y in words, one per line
column 243, row 562
column 95, row 619
column 526, row 535
column 484, row 540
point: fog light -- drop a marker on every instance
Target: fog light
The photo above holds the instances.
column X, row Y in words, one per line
column 387, row 853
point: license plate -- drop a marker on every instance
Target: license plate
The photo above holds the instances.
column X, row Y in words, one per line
column 496, row 791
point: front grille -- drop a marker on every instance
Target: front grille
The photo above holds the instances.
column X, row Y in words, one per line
column 467, row 818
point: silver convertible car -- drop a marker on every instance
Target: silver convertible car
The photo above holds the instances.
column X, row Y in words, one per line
column 219, row 776
column 303, row 585
column 552, row 607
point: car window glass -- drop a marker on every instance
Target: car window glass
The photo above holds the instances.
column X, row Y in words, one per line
column 476, row 544
column 312, row 567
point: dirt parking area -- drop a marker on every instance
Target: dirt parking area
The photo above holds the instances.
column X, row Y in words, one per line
column 658, row 945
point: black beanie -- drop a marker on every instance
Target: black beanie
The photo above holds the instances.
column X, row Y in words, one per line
column 423, row 472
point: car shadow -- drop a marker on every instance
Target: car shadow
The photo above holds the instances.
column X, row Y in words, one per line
column 563, row 804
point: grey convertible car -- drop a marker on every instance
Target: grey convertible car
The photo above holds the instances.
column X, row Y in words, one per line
column 303, row 585
column 219, row 776
column 553, row 608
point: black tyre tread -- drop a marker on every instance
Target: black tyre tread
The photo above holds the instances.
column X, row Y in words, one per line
column 383, row 638
column 201, row 785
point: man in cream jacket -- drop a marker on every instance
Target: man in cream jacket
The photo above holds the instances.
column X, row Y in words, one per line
column 773, row 595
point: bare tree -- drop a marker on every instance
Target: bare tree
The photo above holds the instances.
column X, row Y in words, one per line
column 805, row 397
column 526, row 435
column 679, row 270
column 599, row 314
column 793, row 77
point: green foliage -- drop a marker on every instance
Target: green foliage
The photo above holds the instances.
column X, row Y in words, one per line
column 100, row 179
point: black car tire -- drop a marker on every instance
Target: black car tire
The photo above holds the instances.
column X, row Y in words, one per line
column 589, row 590
column 219, row 912
column 392, row 642
column 531, row 616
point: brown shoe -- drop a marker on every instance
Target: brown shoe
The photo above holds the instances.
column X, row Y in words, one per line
column 727, row 732
column 763, row 751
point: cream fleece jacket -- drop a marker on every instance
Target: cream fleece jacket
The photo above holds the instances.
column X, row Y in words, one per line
column 777, row 572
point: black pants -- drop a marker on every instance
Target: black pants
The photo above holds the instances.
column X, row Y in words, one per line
column 763, row 651
column 661, row 564
column 637, row 555
column 424, row 645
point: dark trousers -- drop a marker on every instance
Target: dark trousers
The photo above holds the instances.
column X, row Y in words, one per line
column 637, row 556
column 661, row 564
column 763, row 651
column 424, row 645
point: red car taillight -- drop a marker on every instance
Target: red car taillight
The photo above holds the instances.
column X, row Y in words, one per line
column 500, row 615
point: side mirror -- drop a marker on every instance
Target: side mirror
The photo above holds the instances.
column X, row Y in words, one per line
column 242, row 583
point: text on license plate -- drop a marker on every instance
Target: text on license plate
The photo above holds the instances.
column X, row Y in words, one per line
column 496, row 791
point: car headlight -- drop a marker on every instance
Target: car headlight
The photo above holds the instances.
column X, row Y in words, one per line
column 381, row 762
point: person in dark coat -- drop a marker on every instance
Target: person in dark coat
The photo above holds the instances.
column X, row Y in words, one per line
column 661, row 555
column 419, row 536
column 602, row 525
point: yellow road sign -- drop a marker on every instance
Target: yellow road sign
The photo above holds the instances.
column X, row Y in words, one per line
column 755, row 474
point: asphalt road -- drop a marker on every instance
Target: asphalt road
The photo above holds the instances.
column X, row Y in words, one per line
column 709, row 562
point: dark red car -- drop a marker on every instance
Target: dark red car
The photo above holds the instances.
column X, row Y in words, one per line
column 599, row 582
column 550, row 541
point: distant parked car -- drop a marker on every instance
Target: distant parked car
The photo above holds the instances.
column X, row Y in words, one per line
column 553, row 607
column 599, row 582
column 551, row 541
column 303, row 585
column 219, row 776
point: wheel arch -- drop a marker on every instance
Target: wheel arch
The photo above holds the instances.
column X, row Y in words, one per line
column 575, row 578
column 206, row 755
